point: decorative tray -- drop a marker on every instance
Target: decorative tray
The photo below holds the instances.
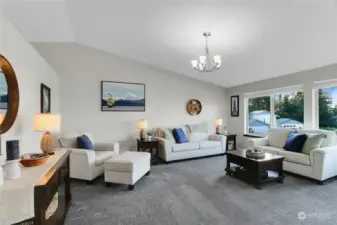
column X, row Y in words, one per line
column 255, row 154
column 35, row 159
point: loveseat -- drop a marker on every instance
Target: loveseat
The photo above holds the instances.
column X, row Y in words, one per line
column 87, row 164
column 200, row 144
column 319, row 165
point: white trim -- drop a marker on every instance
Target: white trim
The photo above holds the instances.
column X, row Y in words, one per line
column 325, row 84
column 270, row 92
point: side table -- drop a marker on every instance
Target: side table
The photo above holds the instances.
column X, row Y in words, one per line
column 230, row 137
column 151, row 146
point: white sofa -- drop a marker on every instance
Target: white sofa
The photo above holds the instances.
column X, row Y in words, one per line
column 319, row 165
column 87, row 164
column 200, row 144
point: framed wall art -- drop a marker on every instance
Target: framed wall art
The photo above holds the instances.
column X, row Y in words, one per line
column 121, row 96
column 45, row 94
column 235, row 108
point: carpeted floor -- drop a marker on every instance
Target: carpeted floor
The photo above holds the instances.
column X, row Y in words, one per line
column 198, row 192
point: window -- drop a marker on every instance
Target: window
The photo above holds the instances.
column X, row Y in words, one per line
column 259, row 115
column 276, row 110
column 289, row 109
column 327, row 108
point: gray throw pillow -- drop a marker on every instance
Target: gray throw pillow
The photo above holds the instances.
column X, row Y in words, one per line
column 314, row 141
column 68, row 142
column 168, row 134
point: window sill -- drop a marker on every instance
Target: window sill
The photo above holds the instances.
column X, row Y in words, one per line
column 254, row 135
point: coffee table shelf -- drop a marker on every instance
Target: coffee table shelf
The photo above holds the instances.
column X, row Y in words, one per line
column 255, row 168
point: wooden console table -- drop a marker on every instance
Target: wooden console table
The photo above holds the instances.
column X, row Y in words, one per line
column 27, row 205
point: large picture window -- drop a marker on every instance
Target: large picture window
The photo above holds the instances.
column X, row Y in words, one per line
column 259, row 115
column 284, row 110
column 289, row 109
column 327, row 108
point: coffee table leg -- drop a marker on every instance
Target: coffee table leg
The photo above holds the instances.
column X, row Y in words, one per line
column 258, row 178
column 281, row 173
column 228, row 167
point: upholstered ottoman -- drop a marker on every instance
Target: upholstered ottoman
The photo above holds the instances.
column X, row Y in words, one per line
column 127, row 168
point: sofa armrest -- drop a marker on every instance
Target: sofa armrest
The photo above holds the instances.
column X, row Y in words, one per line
column 255, row 142
column 221, row 138
column 107, row 147
column 324, row 162
column 82, row 162
column 165, row 148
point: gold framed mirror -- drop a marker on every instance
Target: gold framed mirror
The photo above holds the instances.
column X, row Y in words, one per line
column 9, row 95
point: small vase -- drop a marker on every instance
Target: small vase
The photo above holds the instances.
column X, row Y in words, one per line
column 12, row 169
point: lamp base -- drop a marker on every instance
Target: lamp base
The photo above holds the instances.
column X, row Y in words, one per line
column 142, row 134
column 217, row 129
column 47, row 143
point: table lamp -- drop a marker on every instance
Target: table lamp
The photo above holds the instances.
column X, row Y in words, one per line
column 47, row 122
column 142, row 125
column 218, row 123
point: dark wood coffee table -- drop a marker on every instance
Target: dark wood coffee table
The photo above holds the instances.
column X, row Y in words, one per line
column 254, row 170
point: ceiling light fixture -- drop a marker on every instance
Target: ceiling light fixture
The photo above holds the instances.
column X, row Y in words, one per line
column 206, row 63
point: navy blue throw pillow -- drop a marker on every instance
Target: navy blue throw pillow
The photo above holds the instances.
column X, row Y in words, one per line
column 295, row 142
column 83, row 142
column 179, row 135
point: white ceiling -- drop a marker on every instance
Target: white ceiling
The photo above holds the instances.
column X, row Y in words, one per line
column 257, row 39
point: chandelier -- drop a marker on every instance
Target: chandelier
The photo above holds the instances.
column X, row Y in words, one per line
column 206, row 63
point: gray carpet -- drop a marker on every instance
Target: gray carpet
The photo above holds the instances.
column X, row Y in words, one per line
column 198, row 192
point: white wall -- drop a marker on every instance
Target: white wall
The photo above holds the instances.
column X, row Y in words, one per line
column 82, row 69
column 305, row 78
column 31, row 69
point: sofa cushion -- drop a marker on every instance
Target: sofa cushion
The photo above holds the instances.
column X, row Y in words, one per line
column 199, row 128
column 277, row 137
column 331, row 137
column 210, row 144
column 102, row 156
column 179, row 135
column 295, row 157
column 70, row 142
column 270, row 149
column 314, row 141
column 185, row 146
column 295, row 142
column 198, row 136
column 168, row 134
column 84, row 142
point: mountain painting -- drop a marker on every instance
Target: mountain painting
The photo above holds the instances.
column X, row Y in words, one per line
column 120, row 96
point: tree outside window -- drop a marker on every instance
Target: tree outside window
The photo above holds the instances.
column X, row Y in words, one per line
column 327, row 108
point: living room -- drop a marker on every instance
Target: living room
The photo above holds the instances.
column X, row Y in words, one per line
column 170, row 112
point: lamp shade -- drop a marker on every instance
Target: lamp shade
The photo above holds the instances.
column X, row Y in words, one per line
column 142, row 124
column 47, row 122
column 218, row 122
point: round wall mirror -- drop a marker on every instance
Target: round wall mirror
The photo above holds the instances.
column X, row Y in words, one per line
column 9, row 95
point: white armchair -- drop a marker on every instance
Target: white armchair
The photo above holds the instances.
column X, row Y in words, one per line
column 87, row 164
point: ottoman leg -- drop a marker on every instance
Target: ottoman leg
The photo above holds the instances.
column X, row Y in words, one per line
column 131, row 187
column 148, row 173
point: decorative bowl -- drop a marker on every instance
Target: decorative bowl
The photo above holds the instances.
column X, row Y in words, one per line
column 36, row 159
column 255, row 154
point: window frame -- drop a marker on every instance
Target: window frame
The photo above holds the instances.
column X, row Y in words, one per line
column 269, row 93
column 322, row 84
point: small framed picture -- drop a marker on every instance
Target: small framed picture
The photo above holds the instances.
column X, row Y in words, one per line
column 45, row 99
column 235, row 109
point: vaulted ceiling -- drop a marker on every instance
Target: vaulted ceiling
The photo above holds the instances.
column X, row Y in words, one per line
column 257, row 39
